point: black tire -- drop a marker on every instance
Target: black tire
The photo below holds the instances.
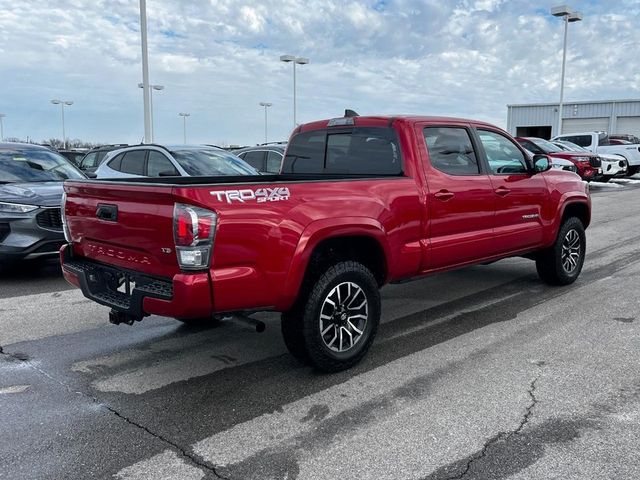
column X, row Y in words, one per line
column 553, row 266
column 353, row 291
column 291, row 328
column 632, row 170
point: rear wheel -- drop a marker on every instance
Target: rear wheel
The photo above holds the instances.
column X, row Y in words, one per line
column 562, row 263
column 338, row 320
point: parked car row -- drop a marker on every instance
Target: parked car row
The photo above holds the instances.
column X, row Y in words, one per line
column 31, row 176
column 590, row 166
column 599, row 143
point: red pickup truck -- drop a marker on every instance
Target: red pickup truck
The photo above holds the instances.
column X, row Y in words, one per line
column 359, row 202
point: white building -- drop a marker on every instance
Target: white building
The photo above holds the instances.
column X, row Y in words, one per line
column 541, row 119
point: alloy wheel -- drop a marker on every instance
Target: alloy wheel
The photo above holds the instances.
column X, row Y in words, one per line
column 571, row 250
column 343, row 316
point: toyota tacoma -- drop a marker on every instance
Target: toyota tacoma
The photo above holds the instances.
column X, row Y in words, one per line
column 359, row 202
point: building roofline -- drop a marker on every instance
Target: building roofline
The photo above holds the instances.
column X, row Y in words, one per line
column 582, row 102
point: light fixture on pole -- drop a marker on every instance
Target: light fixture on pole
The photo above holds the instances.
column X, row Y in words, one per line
column 151, row 89
column 569, row 17
column 184, row 126
column 62, row 103
column 265, row 105
column 294, row 60
column 146, row 97
column 2, row 115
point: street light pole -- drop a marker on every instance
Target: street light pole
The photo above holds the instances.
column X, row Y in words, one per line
column 62, row 103
column 184, row 126
column 265, row 105
column 2, row 115
column 568, row 16
column 300, row 61
column 145, row 73
column 151, row 89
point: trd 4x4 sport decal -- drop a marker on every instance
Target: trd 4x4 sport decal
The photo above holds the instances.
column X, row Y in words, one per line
column 261, row 195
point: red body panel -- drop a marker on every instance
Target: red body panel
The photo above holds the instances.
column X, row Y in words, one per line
column 261, row 250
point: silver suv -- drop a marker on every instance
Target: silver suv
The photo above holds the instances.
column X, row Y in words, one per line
column 172, row 161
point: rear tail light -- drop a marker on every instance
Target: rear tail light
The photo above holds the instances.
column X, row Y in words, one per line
column 193, row 232
column 65, row 227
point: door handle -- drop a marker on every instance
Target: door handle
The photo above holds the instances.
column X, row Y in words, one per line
column 502, row 191
column 107, row 212
column 444, row 195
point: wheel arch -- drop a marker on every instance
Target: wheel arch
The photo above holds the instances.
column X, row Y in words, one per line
column 324, row 243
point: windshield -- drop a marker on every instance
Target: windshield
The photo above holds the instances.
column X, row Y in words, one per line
column 210, row 162
column 35, row 166
column 548, row 147
column 573, row 147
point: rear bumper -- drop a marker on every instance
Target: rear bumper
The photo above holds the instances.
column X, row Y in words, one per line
column 183, row 296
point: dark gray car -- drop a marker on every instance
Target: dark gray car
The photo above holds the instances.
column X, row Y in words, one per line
column 265, row 158
column 30, row 196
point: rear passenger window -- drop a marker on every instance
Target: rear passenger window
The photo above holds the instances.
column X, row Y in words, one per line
column 359, row 151
column 451, row 151
column 274, row 161
column 133, row 162
column 116, row 163
column 255, row 159
column 157, row 163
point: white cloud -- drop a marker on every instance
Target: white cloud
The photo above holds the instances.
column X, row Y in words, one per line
column 219, row 58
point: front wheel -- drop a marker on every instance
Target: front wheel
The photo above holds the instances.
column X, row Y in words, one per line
column 561, row 264
column 339, row 318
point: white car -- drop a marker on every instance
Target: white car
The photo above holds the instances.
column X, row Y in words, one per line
column 598, row 142
column 612, row 165
column 172, row 161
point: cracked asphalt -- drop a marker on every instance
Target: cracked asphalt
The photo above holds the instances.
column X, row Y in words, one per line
column 483, row 373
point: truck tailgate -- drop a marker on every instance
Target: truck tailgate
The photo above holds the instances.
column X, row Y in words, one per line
column 130, row 226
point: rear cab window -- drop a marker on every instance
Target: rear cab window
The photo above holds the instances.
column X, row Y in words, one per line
column 349, row 151
column 581, row 140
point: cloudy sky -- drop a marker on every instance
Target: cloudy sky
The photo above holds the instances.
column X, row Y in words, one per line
column 219, row 58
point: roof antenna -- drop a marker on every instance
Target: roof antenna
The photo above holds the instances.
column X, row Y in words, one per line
column 350, row 113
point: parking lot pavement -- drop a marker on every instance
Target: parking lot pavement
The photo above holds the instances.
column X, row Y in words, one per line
column 483, row 373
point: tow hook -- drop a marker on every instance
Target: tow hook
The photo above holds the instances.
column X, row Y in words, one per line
column 117, row 318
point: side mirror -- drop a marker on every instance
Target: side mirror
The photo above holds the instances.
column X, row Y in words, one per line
column 168, row 173
column 541, row 163
column 91, row 174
